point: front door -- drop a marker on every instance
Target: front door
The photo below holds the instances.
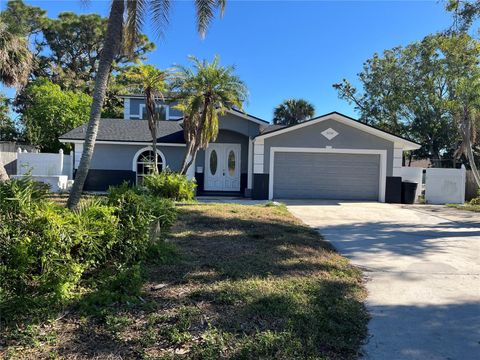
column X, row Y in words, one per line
column 222, row 167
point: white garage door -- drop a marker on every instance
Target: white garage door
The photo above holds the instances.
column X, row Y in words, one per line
column 326, row 176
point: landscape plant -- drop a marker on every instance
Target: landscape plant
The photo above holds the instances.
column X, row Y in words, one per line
column 171, row 185
column 206, row 90
column 124, row 24
column 47, row 252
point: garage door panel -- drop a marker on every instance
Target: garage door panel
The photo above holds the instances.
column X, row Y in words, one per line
column 326, row 176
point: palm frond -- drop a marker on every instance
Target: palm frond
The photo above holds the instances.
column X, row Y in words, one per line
column 15, row 58
column 204, row 12
column 160, row 15
column 136, row 10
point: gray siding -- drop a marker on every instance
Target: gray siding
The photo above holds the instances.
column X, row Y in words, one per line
column 326, row 176
column 348, row 138
column 237, row 124
column 120, row 157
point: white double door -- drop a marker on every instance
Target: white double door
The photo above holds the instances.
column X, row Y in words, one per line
column 222, row 167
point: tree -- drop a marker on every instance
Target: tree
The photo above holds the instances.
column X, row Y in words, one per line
column 205, row 91
column 465, row 13
column 8, row 128
column 293, row 111
column 67, row 50
column 409, row 91
column 152, row 83
column 464, row 87
column 112, row 44
column 15, row 62
column 50, row 112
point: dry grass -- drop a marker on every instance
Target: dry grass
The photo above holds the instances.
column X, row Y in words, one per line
column 250, row 282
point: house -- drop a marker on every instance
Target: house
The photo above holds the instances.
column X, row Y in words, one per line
column 329, row 157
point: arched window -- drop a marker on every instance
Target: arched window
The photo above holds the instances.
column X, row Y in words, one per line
column 144, row 163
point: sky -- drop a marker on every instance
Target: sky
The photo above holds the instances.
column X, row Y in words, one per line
column 287, row 49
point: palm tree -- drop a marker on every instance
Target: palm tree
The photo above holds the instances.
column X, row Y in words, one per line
column 293, row 111
column 124, row 24
column 205, row 91
column 152, row 83
column 15, row 66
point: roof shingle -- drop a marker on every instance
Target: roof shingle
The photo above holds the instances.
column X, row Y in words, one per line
column 130, row 131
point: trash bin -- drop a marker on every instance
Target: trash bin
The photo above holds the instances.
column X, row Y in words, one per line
column 409, row 189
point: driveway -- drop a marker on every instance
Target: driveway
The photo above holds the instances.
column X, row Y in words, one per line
column 422, row 265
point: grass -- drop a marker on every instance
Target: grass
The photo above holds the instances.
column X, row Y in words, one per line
column 466, row 206
column 239, row 282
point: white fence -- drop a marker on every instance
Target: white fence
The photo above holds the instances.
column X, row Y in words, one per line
column 44, row 164
column 53, row 169
column 445, row 186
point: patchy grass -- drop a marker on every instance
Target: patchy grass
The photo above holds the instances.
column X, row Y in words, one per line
column 466, row 206
column 239, row 282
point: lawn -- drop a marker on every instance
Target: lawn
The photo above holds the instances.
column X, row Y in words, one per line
column 467, row 206
column 238, row 282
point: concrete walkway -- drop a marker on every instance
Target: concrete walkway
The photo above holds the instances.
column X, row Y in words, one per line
column 422, row 265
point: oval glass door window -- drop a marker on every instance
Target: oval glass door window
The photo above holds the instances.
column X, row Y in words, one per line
column 231, row 163
column 213, row 162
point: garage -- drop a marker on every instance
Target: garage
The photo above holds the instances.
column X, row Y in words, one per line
column 332, row 157
column 314, row 175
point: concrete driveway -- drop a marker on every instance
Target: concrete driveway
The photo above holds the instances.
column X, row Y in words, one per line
column 422, row 265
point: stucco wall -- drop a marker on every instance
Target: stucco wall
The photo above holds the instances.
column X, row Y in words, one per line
column 120, row 157
column 310, row 136
column 236, row 123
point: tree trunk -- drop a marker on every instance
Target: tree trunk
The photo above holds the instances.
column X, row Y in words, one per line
column 466, row 134
column 188, row 158
column 111, row 46
column 3, row 174
column 154, row 144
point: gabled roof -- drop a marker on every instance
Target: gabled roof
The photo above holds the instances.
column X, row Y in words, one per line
column 121, row 130
column 407, row 144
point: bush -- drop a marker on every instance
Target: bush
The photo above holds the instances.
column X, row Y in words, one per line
column 142, row 219
column 170, row 185
column 46, row 249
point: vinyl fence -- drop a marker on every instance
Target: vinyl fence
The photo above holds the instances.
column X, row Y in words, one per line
column 45, row 164
column 445, row 186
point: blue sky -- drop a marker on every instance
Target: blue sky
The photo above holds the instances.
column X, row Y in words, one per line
column 284, row 49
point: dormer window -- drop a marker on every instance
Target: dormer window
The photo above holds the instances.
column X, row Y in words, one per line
column 162, row 110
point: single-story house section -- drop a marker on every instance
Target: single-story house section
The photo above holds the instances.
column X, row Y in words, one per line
column 329, row 157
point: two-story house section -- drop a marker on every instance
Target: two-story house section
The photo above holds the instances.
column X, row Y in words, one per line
column 134, row 108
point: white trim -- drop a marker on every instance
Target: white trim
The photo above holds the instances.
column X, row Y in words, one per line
column 139, row 152
column 77, row 154
column 250, row 164
column 405, row 144
column 258, row 151
column 120, row 142
column 126, row 108
column 383, row 163
column 141, row 107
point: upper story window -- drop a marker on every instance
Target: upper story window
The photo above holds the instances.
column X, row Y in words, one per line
column 162, row 110
column 134, row 108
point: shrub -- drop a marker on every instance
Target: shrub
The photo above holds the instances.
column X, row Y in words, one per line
column 142, row 217
column 170, row 185
column 46, row 249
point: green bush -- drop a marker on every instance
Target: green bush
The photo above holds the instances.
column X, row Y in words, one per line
column 142, row 219
column 170, row 185
column 46, row 249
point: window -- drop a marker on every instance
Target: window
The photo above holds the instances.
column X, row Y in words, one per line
column 163, row 110
column 146, row 163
